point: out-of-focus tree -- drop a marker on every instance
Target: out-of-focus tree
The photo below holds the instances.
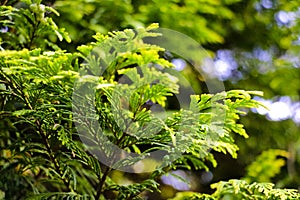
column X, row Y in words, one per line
column 255, row 44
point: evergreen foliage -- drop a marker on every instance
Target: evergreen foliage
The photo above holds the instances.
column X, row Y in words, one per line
column 239, row 189
column 44, row 89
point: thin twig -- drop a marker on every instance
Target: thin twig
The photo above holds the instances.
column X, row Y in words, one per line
column 52, row 157
column 101, row 182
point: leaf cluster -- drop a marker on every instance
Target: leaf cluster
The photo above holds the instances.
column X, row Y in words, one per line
column 29, row 26
column 239, row 189
column 68, row 120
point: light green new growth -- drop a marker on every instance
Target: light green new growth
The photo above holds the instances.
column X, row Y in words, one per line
column 42, row 153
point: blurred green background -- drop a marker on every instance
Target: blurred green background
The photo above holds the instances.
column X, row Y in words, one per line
column 255, row 45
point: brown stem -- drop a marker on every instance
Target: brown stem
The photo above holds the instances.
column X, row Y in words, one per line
column 52, row 157
column 101, row 183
